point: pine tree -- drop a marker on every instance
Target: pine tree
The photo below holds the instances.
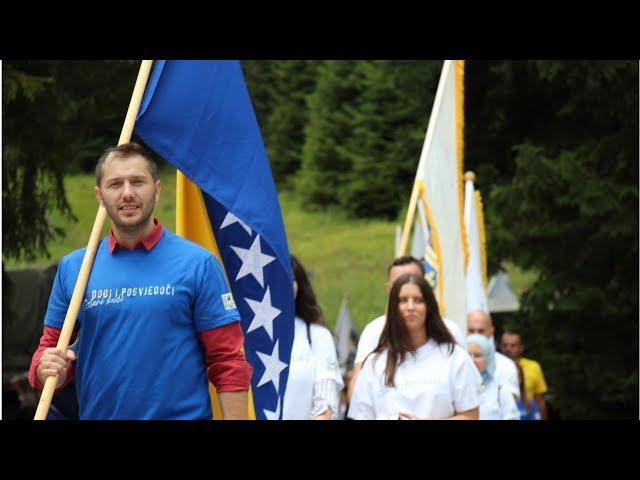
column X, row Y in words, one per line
column 294, row 81
column 325, row 167
column 259, row 76
column 570, row 211
column 376, row 186
column 58, row 117
column 32, row 159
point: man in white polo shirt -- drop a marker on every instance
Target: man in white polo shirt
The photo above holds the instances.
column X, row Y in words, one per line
column 370, row 335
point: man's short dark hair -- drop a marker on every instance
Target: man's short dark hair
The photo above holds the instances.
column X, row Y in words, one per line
column 406, row 260
column 124, row 151
column 513, row 331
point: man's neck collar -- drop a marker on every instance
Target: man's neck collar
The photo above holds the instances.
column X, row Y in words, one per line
column 146, row 240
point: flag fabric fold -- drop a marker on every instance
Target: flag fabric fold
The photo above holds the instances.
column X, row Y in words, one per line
column 198, row 116
column 346, row 337
column 423, row 249
column 476, row 293
column 439, row 178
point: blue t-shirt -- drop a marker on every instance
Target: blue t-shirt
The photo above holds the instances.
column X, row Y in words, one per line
column 139, row 356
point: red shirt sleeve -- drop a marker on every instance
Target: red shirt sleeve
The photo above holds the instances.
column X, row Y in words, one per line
column 227, row 368
column 49, row 339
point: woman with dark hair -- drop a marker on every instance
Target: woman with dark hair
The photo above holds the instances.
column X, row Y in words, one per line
column 417, row 371
column 314, row 377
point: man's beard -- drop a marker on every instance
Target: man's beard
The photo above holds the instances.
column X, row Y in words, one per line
column 135, row 227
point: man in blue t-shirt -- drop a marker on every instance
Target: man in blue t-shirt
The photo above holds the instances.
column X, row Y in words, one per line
column 157, row 321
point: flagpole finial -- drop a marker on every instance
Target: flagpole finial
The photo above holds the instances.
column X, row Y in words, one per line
column 470, row 177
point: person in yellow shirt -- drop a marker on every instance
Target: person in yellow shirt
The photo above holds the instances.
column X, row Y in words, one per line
column 535, row 384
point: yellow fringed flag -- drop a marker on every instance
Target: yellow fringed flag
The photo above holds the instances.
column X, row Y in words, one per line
column 438, row 192
column 476, row 268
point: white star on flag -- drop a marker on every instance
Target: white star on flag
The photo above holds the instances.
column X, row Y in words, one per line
column 272, row 367
column 253, row 260
column 264, row 312
column 231, row 219
column 273, row 415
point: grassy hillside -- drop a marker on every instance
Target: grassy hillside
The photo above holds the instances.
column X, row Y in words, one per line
column 341, row 255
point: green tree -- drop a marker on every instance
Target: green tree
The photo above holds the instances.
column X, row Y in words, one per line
column 366, row 128
column 94, row 97
column 389, row 126
column 570, row 211
column 259, row 76
column 325, row 166
column 58, row 117
column 33, row 160
column 294, row 80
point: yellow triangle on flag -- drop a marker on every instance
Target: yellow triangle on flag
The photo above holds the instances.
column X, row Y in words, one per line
column 192, row 223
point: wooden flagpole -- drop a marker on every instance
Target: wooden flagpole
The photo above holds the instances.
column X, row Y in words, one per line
column 413, row 201
column 87, row 262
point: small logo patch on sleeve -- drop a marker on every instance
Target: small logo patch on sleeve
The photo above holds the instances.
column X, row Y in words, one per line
column 227, row 300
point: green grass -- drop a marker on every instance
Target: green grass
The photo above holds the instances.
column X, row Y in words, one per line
column 342, row 255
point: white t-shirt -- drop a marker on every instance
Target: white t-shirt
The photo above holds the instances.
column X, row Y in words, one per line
column 497, row 403
column 506, row 374
column 370, row 337
column 309, row 365
column 430, row 384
